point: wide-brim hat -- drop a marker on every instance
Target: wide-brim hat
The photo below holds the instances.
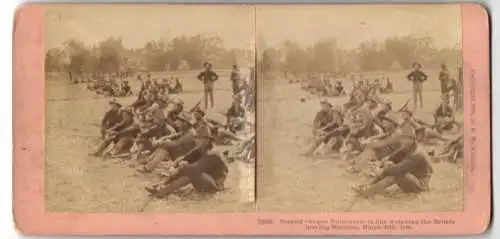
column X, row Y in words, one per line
column 325, row 102
column 199, row 111
column 177, row 100
column 115, row 102
column 417, row 64
column 386, row 101
column 207, row 64
column 183, row 116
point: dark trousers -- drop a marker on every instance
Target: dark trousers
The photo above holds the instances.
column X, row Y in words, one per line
column 209, row 93
column 444, row 87
column 235, row 87
column 417, row 94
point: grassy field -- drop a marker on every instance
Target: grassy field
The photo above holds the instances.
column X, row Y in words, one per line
column 286, row 182
column 291, row 183
column 75, row 182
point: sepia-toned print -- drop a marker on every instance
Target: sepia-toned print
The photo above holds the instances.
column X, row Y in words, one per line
column 149, row 108
column 360, row 108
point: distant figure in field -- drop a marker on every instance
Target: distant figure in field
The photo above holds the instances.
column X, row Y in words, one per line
column 444, row 78
column 417, row 77
column 208, row 77
column 235, row 79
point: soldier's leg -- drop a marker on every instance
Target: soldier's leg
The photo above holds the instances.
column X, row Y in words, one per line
column 420, row 90
column 408, row 183
column 150, row 157
column 138, row 151
column 123, row 144
column 377, row 187
column 160, row 156
column 101, row 147
column 211, row 97
column 206, row 97
column 415, row 95
column 202, row 182
column 171, row 187
column 316, row 143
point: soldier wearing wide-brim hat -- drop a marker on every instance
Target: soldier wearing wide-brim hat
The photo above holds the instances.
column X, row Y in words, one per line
column 208, row 78
column 417, row 78
column 416, row 65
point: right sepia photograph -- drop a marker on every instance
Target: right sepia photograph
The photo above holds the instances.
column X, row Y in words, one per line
column 359, row 108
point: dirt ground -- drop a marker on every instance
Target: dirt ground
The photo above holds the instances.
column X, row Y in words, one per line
column 286, row 182
column 291, row 183
column 75, row 182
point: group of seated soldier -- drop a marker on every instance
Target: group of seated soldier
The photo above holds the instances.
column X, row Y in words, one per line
column 383, row 143
column 156, row 133
column 112, row 86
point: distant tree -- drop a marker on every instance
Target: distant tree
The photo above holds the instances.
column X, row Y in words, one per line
column 110, row 58
column 78, row 55
column 269, row 60
column 54, row 60
column 296, row 59
column 323, row 56
column 409, row 49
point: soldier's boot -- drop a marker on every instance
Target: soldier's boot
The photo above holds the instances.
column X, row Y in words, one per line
column 165, row 190
column 378, row 187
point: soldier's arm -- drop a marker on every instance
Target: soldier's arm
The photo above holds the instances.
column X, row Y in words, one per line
column 317, row 121
column 424, row 76
column 410, row 76
column 127, row 119
column 200, row 76
column 215, row 77
column 437, row 112
column 201, row 144
column 105, row 120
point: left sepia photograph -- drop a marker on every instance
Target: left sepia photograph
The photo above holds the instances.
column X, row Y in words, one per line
column 149, row 108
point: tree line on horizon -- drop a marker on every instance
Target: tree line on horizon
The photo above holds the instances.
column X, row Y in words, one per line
column 110, row 55
column 324, row 56
column 191, row 52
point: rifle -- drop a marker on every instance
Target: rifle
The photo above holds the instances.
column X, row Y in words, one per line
column 404, row 106
column 196, row 106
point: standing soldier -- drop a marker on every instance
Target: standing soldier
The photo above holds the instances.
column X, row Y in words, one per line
column 444, row 78
column 208, row 77
column 417, row 77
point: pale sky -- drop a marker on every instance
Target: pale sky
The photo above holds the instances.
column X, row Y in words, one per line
column 305, row 24
column 352, row 24
column 138, row 24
